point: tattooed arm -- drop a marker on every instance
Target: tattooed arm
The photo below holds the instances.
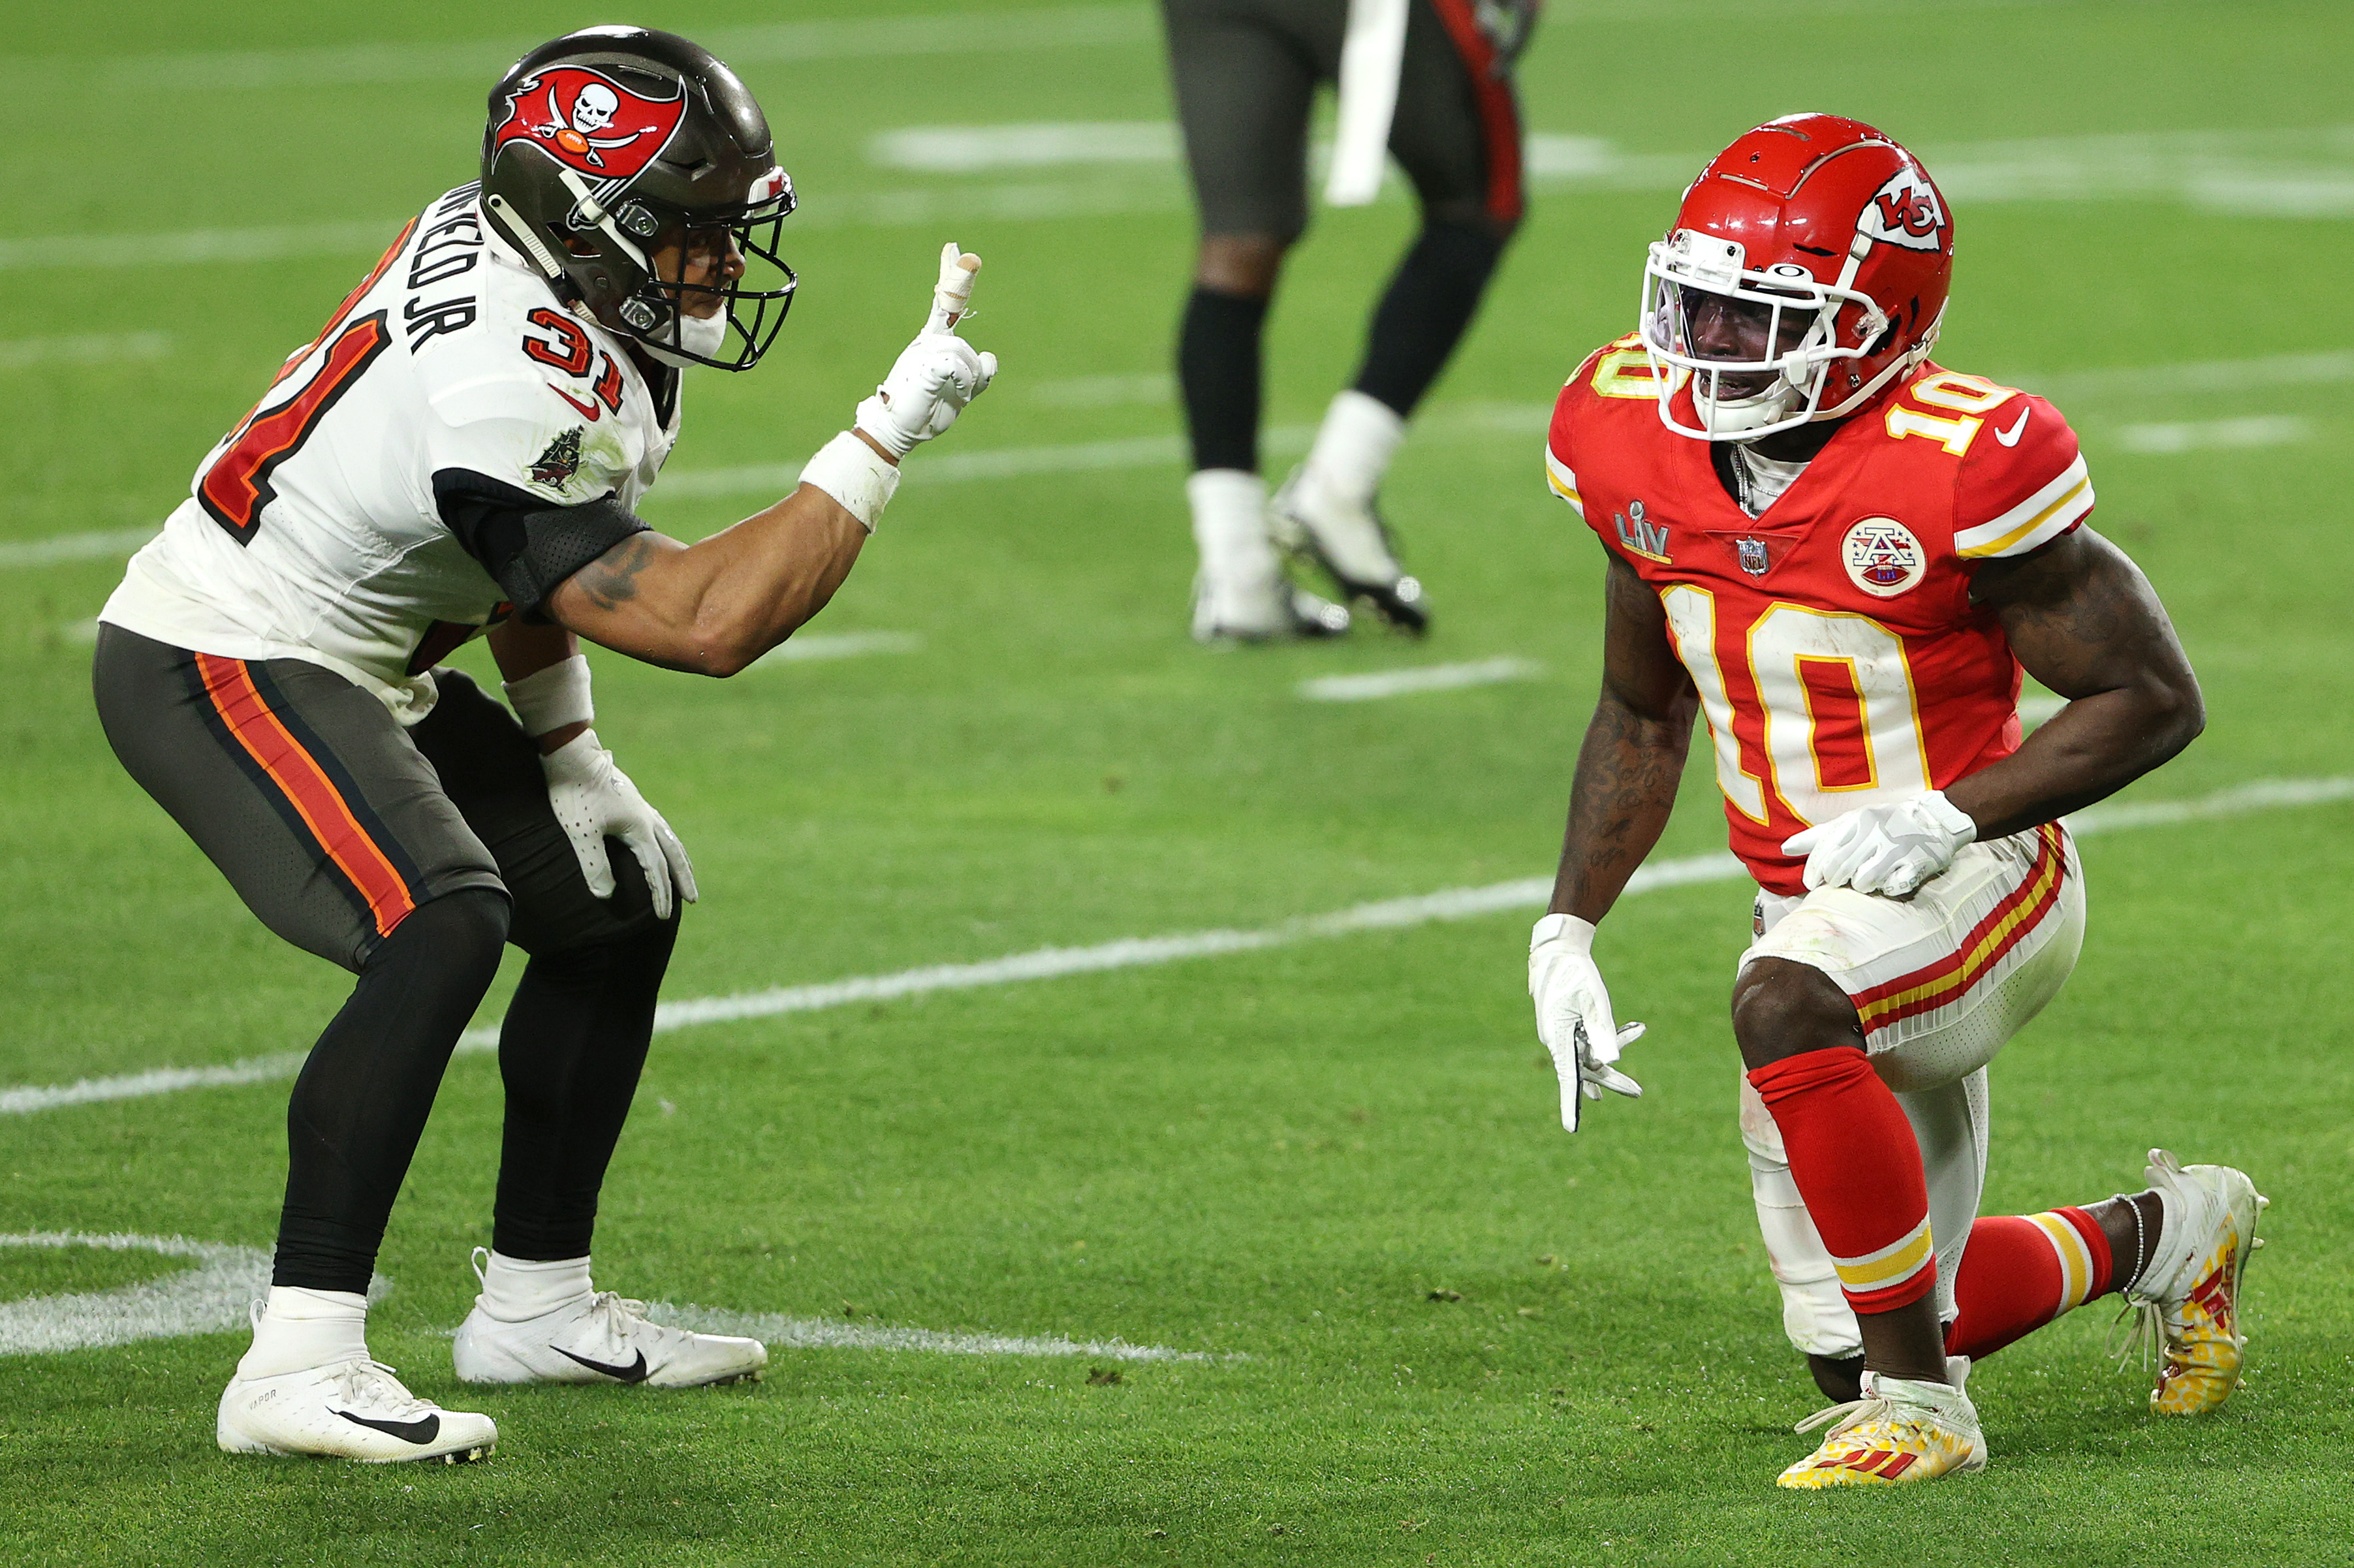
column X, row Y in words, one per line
column 1633, row 756
column 2084, row 621
column 713, row 607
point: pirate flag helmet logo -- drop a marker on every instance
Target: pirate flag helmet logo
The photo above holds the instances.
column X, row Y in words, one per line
column 590, row 123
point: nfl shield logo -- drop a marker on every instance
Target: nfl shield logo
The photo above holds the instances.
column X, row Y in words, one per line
column 1753, row 556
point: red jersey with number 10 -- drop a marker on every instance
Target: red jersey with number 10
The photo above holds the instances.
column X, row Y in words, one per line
column 1839, row 660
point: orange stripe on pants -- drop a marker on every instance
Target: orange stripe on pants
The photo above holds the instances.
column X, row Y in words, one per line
column 314, row 794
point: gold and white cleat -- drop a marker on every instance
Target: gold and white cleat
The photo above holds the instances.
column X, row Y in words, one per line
column 2187, row 1300
column 1898, row 1433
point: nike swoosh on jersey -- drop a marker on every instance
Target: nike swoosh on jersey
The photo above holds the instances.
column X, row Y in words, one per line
column 634, row 1372
column 419, row 1432
column 589, row 410
column 2009, row 437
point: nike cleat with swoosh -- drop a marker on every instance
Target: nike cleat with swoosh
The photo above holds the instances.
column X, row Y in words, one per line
column 599, row 1337
column 355, row 1410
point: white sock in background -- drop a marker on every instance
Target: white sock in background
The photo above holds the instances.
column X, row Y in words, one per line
column 298, row 1329
column 1230, row 526
column 514, row 1291
column 1353, row 448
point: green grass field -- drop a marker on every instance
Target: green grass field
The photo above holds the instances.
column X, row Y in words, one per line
column 1426, row 1326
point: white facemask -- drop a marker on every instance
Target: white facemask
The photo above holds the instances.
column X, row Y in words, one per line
column 705, row 336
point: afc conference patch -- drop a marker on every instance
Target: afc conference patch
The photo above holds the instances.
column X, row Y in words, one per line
column 1882, row 557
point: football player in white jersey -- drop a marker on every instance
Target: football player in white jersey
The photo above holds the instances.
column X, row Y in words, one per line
column 457, row 453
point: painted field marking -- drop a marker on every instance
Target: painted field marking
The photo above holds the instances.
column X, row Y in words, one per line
column 1136, row 952
column 810, row 646
column 974, row 149
column 2304, row 173
column 215, row 1297
column 1069, row 27
column 2332, row 367
column 87, row 348
column 212, row 1297
column 775, row 1329
column 119, row 542
column 958, row 468
column 2036, row 708
column 2203, row 435
column 1374, row 684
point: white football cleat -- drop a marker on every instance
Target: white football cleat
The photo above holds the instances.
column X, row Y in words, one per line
column 1271, row 611
column 352, row 1410
column 1352, row 547
column 1900, row 1432
column 599, row 1337
column 2188, row 1299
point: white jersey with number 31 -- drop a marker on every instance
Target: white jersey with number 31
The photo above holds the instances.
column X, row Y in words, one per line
column 312, row 531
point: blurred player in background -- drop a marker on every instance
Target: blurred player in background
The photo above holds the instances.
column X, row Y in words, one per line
column 1246, row 73
column 457, row 453
column 1843, row 556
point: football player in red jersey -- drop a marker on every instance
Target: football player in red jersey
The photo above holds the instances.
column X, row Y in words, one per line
column 1844, row 556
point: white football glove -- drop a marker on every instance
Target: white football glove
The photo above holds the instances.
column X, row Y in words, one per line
column 936, row 376
column 593, row 799
column 1574, row 1017
column 1888, row 850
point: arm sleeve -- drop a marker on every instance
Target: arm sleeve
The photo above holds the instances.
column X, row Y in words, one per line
column 527, row 544
column 2013, row 499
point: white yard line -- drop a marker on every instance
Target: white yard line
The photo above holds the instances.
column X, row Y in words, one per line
column 2203, row 435
column 952, row 467
column 776, row 1331
column 1136, row 952
column 816, row 645
column 1374, row 684
column 213, row 1298
column 2306, row 173
column 957, row 468
column 2333, row 367
column 210, row 1299
column 92, row 348
column 976, row 149
column 119, row 542
column 878, row 37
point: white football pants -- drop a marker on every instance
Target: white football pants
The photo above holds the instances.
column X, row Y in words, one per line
column 1942, row 981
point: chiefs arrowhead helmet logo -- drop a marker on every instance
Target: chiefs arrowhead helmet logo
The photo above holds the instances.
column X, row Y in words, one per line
column 1905, row 211
column 589, row 122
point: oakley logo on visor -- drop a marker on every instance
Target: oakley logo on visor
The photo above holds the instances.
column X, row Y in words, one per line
column 1905, row 211
column 589, row 122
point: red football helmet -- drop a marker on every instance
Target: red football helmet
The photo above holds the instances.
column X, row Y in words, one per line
column 1808, row 216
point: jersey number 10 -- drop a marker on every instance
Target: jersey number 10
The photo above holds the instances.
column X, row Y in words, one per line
column 1835, row 690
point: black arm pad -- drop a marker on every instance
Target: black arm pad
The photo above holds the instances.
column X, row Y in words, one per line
column 527, row 546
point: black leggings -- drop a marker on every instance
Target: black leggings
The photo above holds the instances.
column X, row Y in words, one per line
column 411, row 857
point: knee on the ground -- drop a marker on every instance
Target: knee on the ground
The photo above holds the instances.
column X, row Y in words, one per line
column 1782, row 1008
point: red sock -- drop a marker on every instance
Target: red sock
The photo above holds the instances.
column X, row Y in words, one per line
column 1854, row 1156
column 2020, row 1272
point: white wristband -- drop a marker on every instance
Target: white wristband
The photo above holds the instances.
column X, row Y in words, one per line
column 851, row 472
column 550, row 699
column 1572, row 932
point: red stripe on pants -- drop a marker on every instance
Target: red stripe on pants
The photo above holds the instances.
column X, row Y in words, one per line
column 306, row 785
column 1500, row 117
